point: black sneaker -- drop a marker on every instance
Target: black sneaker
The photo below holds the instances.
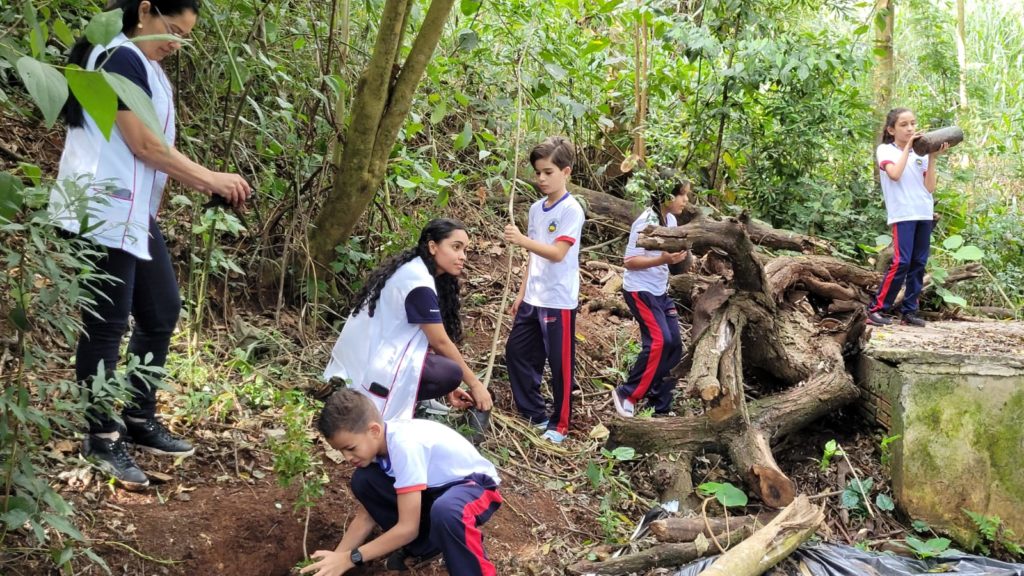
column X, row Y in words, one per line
column 877, row 319
column 151, row 435
column 913, row 319
column 112, row 457
column 401, row 560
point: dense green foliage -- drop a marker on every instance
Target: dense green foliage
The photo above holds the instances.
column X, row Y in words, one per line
column 765, row 105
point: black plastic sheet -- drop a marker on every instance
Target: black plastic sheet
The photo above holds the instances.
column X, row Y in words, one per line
column 835, row 560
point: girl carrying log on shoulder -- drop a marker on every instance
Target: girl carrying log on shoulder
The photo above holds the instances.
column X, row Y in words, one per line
column 908, row 181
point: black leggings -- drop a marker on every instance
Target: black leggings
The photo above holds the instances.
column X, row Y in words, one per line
column 146, row 289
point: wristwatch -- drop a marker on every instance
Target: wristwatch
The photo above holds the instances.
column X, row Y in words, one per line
column 356, row 557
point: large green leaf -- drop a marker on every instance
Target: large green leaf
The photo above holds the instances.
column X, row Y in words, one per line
column 730, row 495
column 95, row 95
column 136, row 100
column 63, row 33
column 104, row 26
column 968, row 253
column 10, row 196
column 469, row 7
column 464, row 137
column 46, row 85
column 953, row 242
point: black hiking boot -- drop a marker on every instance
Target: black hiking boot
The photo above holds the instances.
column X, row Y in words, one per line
column 112, row 457
column 151, row 435
column 878, row 319
column 912, row 319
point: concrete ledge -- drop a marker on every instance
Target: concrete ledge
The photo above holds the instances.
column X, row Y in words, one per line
column 955, row 394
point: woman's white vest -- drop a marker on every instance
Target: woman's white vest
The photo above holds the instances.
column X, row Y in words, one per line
column 386, row 348
column 122, row 192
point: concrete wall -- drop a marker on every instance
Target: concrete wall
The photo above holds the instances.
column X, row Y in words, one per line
column 961, row 418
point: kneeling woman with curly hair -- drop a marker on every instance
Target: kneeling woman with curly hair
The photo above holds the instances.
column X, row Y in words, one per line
column 398, row 345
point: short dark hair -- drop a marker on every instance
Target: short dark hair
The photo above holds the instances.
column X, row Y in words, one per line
column 347, row 411
column 558, row 149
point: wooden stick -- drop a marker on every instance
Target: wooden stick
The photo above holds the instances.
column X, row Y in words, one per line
column 771, row 544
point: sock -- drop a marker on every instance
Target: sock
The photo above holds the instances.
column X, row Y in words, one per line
column 108, row 435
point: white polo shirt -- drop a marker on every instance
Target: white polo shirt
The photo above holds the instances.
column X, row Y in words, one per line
column 426, row 454
column 906, row 198
column 654, row 279
column 555, row 284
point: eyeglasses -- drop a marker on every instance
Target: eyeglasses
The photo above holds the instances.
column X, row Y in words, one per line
column 171, row 30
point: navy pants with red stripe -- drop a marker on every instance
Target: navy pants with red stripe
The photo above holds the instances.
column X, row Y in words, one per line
column 450, row 517
column 539, row 335
column 662, row 350
column 911, row 241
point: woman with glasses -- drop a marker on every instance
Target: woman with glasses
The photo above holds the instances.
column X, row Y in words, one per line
column 120, row 181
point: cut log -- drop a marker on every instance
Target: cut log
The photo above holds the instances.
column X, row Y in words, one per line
column 684, row 287
column 931, row 141
column 993, row 312
column 623, row 213
column 772, row 544
column 660, row 556
column 674, row 481
column 687, row 529
column 762, row 234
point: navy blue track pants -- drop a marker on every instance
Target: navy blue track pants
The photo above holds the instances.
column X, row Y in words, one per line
column 911, row 242
column 539, row 335
column 662, row 350
column 450, row 517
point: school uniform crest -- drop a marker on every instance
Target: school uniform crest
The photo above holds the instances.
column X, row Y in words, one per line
column 552, row 225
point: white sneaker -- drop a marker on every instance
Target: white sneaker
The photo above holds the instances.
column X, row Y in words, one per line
column 623, row 406
column 554, row 436
column 541, row 426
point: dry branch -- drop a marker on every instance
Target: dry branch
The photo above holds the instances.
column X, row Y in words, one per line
column 687, row 529
column 659, row 556
column 771, row 544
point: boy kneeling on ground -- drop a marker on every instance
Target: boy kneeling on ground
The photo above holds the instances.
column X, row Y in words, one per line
column 423, row 483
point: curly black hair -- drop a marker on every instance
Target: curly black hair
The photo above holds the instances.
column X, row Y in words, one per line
column 447, row 285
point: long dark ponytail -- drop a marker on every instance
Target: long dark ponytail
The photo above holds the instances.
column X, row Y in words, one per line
column 447, row 285
column 890, row 122
column 668, row 185
column 79, row 55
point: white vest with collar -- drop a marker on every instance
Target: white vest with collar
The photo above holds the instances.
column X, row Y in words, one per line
column 122, row 192
column 385, row 349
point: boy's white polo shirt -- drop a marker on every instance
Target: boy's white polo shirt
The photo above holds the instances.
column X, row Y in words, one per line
column 655, row 278
column 426, row 454
column 555, row 284
column 906, row 198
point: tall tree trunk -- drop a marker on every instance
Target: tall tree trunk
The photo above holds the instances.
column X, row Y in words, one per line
column 961, row 52
column 640, row 88
column 961, row 58
column 885, row 70
column 382, row 100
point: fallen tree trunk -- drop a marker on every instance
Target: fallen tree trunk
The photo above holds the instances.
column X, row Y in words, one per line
column 742, row 324
column 659, row 556
column 771, row 544
column 623, row 213
column 687, row 529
